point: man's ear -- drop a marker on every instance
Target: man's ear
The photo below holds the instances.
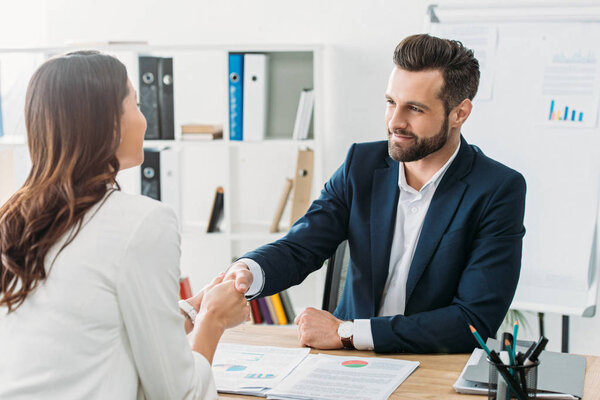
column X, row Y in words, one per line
column 460, row 113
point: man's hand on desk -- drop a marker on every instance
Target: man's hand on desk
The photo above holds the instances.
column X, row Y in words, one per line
column 318, row 329
column 239, row 272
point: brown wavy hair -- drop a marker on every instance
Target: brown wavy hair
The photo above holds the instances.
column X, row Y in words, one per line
column 73, row 108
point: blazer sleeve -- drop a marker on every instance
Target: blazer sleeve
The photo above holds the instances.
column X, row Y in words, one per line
column 147, row 291
column 485, row 290
column 312, row 239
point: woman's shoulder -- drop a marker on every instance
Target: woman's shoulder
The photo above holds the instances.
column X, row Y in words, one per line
column 132, row 209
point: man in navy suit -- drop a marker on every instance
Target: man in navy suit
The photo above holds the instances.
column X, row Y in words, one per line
column 434, row 226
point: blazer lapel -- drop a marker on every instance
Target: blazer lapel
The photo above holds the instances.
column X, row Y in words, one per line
column 443, row 206
column 384, row 200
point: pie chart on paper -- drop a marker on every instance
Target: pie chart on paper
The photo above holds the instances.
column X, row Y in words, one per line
column 355, row 364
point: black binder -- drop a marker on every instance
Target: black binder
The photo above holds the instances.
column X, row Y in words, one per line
column 156, row 97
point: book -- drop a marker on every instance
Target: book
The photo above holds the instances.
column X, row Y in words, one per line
column 185, row 289
column 216, row 214
column 303, row 115
column 287, row 306
column 271, row 310
column 201, row 128
column 255, row 311
column 264, row 310
column 236, row 96
column 285, row 194
column 279, row 311
column 202, row 136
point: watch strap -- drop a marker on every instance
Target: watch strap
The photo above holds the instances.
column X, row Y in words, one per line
column 188, row 309
column 348, row 342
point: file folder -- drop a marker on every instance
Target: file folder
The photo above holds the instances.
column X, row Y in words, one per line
column 255, row 96
column 236, row 96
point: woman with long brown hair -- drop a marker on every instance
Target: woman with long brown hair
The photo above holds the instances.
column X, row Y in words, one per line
column 88, row 274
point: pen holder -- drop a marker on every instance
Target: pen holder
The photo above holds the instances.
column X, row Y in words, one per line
column 524, row 376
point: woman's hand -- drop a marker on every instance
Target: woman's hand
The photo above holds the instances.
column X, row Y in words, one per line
column 223, row 305
column 196, row 300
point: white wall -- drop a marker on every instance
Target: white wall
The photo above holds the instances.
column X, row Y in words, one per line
column 360, row 36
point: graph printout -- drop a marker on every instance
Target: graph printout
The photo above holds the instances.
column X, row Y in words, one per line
column 252, row 370
column 570, row 89
column 325, row 377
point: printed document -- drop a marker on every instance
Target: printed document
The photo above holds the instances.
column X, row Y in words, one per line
column 325, row 377
column 252, row 370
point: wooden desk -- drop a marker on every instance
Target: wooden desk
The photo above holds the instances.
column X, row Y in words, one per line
column 432, row 380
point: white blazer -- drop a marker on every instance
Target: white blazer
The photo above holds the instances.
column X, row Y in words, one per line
column 105, row 324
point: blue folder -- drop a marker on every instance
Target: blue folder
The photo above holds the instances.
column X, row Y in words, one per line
column 236, row 96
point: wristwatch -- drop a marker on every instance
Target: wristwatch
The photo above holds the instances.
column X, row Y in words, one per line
column 346, row 332
column 188, row 309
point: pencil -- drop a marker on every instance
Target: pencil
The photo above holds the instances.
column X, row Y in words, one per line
column 479, row 339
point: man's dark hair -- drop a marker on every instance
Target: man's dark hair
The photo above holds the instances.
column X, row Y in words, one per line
column 458, row 65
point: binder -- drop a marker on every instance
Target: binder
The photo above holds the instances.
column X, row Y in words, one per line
column 165, row 99
column 271, row 310
column 255, row 311
column 302, row 184
column 236, row 96
column 185, row 289
column 255, row 96
column 264, row 311
column 148, row 67
column 287, row 306
column 279, row 311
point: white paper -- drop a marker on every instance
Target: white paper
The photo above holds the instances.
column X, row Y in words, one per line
column 252, row 370
column 482, row 39
column 325, row 377
column 570, row 88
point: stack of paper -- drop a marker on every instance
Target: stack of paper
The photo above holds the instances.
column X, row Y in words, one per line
column 253, row 370
column 325, row 377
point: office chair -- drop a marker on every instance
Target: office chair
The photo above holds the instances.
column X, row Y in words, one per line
column 337, row 266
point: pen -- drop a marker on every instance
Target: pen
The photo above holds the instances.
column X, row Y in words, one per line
column 514, row 386
column 520, row 358
column 539, row 346
column 479, row 339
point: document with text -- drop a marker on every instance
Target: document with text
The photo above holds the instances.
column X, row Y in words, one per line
column 325, row 377
column 253, row 370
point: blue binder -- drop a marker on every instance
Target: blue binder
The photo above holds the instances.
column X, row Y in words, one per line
column 236, row 96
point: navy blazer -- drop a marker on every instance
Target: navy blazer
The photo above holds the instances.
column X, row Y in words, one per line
column 466, row 264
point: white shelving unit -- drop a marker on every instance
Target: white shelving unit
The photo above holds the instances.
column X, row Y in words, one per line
column 251, row 173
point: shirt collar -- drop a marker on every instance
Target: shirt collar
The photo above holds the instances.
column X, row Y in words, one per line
column 433, row 181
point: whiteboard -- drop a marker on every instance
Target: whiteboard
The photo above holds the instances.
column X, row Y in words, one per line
column 537, row 112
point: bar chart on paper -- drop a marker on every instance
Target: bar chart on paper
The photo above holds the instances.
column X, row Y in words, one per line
column 570, row 89
column 566, row 113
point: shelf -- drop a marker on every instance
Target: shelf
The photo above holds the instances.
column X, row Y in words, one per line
column 254, row 231
column 13, row 140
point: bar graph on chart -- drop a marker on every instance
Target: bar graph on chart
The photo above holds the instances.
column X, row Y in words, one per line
column 560, row 113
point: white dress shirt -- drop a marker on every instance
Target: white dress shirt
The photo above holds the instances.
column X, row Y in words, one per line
column 105, row 324
column 411, row 211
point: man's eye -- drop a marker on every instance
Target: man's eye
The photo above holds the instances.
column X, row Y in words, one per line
column 413, row 108
column 389, row 101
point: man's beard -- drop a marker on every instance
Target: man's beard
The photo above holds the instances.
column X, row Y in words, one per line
column 420, row 148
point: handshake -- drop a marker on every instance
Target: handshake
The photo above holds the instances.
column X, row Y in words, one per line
column 223, row 303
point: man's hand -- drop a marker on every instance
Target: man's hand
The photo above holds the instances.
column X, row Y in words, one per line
column 239, row 272
column 318, row 329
